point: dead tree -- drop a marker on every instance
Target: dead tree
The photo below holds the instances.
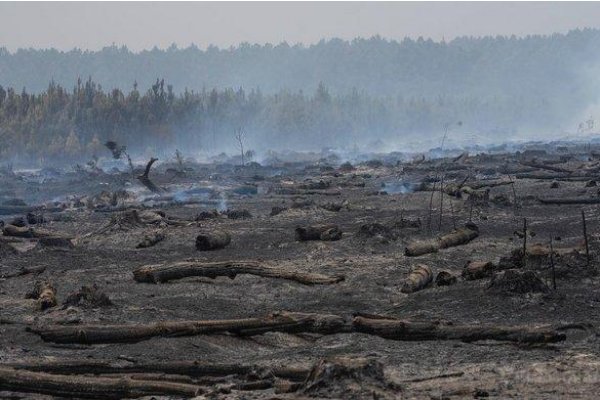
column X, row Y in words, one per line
column 534, row 164
column 276, row 322
column 418, row 279
column 145, row 179
column 240, row 136
column 179, row 270
column 552, row 265
column 293, row 322
column 457, row 237
column 416, row 330
column 585, row 239
column 90, row 387
column 182, row 368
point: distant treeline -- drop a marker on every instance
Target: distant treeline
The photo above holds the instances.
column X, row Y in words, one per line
column 71, row 125
column 532, row 66
column 331, row 93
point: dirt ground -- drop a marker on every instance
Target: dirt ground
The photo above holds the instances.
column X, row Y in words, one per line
column 374, row 266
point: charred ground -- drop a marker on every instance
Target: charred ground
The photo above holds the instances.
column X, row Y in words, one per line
column 380, row 206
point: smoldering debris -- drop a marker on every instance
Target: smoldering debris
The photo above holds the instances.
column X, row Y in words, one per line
column 305, row 236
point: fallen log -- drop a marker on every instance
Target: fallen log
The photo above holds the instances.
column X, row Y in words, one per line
column 25, row 232
column 188, row 368
column 212, row 240
column 290, row 322
column 151, row 239
column 445, row 278
column 276, row 322
column 416, row 330
column 44, row 293
column 45, row 238
column 167, row 272
column 419, row 277
column 318, row 232
column 573, row 178
column 572, row 200
column 478, row 270
column 56, row 241
column 420, row 247
column 89, row 387
column 533, row 164
column 458, row 237
column 484, row 184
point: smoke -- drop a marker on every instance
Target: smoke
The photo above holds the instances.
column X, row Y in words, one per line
column 398, row 187
column 222, row 206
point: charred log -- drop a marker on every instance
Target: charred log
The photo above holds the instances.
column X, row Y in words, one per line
column 416, row 330
column 179, row 270
column 572, row 200
column 318, row 232
column 296, row 323
column 418, row 279
column 89, row 387
column 212, row 240
column 456, row 238
column 277, row 322
column 45, row 294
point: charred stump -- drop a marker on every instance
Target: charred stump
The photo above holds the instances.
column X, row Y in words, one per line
column 212, row 240
column 318, row 232
column 45, row 294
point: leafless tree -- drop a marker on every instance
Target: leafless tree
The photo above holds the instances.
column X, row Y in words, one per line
column 240, row 137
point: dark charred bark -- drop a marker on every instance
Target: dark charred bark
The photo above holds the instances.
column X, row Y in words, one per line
column 145, row 179
column 278, row 322
column 168, row 272
column 297, row 323
column 89, row 387
column 212, row 240
column 318, row 232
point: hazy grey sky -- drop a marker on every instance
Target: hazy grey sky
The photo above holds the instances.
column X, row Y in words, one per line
column 141, row 25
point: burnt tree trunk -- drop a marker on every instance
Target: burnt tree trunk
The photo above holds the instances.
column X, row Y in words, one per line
column 188, row 368
column 168, row 272
column 571, row 200
column 277, row 322
column 418, row 279
column 416, row 330
column 44, row 293
column 458, row 237
column 212, row 240
column 291, row 322
column 89, row 387
column 145, row 179
column 318, row 232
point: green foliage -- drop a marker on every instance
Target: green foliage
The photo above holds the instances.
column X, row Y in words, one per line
column 70, row 126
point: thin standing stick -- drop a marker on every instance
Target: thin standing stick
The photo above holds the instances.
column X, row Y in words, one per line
column 552, row 265
column 585, row 238
column 524, row 242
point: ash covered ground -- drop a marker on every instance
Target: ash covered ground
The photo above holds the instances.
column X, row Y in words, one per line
column 89, row 227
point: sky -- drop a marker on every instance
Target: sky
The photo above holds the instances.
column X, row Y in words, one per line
column 143, row 25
